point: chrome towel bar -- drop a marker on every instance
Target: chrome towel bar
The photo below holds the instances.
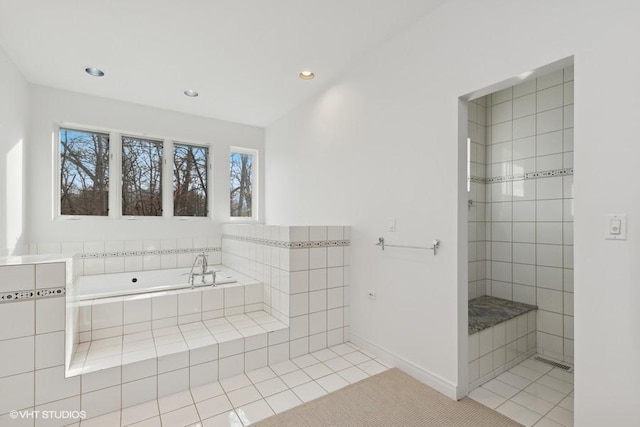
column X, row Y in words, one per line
column 434, row 248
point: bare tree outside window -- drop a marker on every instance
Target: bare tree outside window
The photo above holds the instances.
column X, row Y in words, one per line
column 190, row 180
column 141, row 177
column 84, row 173
column 241, row 185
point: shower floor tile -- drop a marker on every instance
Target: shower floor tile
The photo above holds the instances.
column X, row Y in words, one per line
column 540, row 395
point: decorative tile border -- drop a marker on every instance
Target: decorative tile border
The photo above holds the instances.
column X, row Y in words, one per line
column 93, row 255
column 521, row 177
column 288, row 245
column 19, row 296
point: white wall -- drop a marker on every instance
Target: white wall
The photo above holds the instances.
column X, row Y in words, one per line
column 383, row 141
column 14, row 114
column 50, row 106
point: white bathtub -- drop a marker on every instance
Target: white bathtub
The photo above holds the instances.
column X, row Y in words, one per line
column 142, row 282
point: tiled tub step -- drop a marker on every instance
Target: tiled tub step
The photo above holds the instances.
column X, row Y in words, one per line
column 194, row 353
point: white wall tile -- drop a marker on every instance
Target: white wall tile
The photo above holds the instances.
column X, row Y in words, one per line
column 317, row 301
column 17, row 392
column 190, row 303
column 105, row 315
column 140, row 391
column 524, row 211
column 50, row 385
column 549, row 278
column 138, row 310
column 173, row 382
column 138, row 370
column 101, row 379
column 335, row 277
column 524, row 127
column 233, row 296
column 549, row 188
column 549, row 255
column 164, row 306
column 524, row 253
column 204, row 373
column 525, row 294
column 549, row 143
column 524, row 274
column 17, row 277
column 549, row 210
column 549, row 300
column 102, row 401
column 549, row 121
column 549, row 232
column 524, row 106
column 551, row 323
column 550, row 98
column 49, row 349
column 231, row 366
column 17, row 356
column 502, row 112
column 551, row 162
column 524, row 148
column 335, row 256
column 524, row 232
column 502, row 290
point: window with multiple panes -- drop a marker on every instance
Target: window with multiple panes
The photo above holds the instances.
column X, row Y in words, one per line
column 241, row 180
column 190, row 180
column 84, row 172
column 85, row 187
column 141, row 177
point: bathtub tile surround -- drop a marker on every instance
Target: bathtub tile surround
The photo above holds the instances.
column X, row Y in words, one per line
column 521, row 219
column 149, row 361
column 305, row 272
column 118, row 256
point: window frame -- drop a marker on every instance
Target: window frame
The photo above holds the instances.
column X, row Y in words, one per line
column 115, row 175
column 255, row 185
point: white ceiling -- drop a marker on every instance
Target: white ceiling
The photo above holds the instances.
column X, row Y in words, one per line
column 243, row 56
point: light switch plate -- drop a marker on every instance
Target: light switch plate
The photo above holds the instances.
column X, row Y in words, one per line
column 615, row 227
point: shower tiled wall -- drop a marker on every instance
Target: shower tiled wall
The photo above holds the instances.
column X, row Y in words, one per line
column 529, row 204
column 478, row 253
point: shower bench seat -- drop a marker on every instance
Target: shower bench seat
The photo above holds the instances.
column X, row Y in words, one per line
column 502, row 333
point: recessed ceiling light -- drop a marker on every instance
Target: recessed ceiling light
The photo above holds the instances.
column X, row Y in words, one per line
column 190, row 92
column 95, row 72
column 306, row 75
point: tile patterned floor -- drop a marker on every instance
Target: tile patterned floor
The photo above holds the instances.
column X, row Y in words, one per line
column 248, row 398
column 532, row 393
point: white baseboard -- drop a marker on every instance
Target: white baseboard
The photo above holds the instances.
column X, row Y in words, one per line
column 429, row 378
